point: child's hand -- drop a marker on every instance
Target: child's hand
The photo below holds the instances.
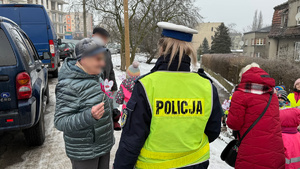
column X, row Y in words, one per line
column 98, row 111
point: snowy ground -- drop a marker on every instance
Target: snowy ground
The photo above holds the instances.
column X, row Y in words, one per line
column 15, row 154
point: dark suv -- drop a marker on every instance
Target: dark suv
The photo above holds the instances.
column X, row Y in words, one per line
column 23, row 84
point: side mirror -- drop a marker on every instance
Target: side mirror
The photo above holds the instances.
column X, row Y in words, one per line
column 59, row 41
column 46, row 55
column 41, row 57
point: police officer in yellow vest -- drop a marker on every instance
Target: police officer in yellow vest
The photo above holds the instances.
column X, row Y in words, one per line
column 295, row 96
column 173, row 114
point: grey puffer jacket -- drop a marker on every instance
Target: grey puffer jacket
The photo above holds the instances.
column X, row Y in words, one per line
column 76, row 93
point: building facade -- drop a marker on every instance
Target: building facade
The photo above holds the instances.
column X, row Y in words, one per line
column 256, row 43
column 54, row 9
column 206, row 30
column 75, row 26
column 13, row 1
column 285, row 33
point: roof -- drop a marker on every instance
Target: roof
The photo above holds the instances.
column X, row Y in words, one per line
column 283, row 5
column 286, row 32
column 262, row 30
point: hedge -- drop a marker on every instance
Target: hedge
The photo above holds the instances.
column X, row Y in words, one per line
column 229, row 67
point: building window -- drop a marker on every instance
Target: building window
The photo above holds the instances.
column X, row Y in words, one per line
column 52, row 5
column 260, row 41
column 258, row 54
column 59, row 7
column 252, row 42
column 54, row 17
column 283, row 20
column 61, row 29
column 60, row 18
column 1, row 1
column 297, row 51
column 298, row 20
column 246, row 42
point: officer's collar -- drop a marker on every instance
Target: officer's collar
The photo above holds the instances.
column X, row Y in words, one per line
column 163, row 64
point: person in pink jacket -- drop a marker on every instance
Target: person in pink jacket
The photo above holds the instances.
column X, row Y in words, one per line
column 125, row 91
column 290, row 120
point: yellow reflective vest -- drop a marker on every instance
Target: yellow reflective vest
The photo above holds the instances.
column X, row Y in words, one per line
column 292, row 99
column 181, row 105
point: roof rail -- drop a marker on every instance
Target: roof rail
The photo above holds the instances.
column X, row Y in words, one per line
column 4, row 19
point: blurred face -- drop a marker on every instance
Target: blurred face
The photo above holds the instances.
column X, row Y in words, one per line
column 298, row 86
column 281, row 99
column 93, row 64
column 104, row 38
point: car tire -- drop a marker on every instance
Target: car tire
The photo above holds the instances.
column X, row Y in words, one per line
column 58, row 64
column 47, row 93
column 35, row 136
column 55, row 73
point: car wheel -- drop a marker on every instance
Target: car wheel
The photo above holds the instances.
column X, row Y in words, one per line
column 35, row 136
column 55, row 73
column 47, row 93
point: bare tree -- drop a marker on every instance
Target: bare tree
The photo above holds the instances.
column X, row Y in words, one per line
column 260, row 21
column 255, row 22
column 143, row 17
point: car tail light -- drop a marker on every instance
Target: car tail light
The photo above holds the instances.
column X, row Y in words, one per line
column 9, row 120
column 52, row 50
column 67, row 49
column 53, row 65
column 23, row 84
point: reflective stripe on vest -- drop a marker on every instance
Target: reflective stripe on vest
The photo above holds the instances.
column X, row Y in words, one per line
column 292, row 99
column 181, row 104
column 292, row 160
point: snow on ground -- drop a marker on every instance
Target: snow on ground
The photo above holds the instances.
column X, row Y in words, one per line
column 15, row 154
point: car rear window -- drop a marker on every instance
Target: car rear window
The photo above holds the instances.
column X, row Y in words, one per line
column 7, row 56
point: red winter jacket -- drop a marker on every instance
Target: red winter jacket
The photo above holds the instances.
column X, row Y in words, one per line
column 263, row 147
column 290, row 120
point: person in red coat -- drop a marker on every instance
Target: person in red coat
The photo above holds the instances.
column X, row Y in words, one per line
column 262, row 148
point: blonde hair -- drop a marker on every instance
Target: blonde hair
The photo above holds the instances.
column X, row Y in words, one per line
column 173, row 47
column 246, row 68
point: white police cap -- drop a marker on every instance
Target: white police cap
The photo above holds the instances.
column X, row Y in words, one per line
column 179, row 32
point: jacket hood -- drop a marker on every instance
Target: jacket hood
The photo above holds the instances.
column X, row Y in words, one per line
column 163, row 64
column 258, row 76
column 70, row 71
column 290, row 117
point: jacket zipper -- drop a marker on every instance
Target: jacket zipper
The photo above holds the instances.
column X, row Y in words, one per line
column 94, row 135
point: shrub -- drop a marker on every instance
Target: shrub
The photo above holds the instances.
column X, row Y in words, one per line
column 229, row 66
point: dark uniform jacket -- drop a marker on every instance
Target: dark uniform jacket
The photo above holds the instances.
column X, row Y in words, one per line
column 137, row 126
column 108, row 72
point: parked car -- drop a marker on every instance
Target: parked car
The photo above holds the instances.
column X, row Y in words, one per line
column 24, row 87
column 66, row 50
column 114, row 48
column 34, row 20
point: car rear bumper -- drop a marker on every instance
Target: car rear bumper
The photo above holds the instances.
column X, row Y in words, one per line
column 21, row 118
